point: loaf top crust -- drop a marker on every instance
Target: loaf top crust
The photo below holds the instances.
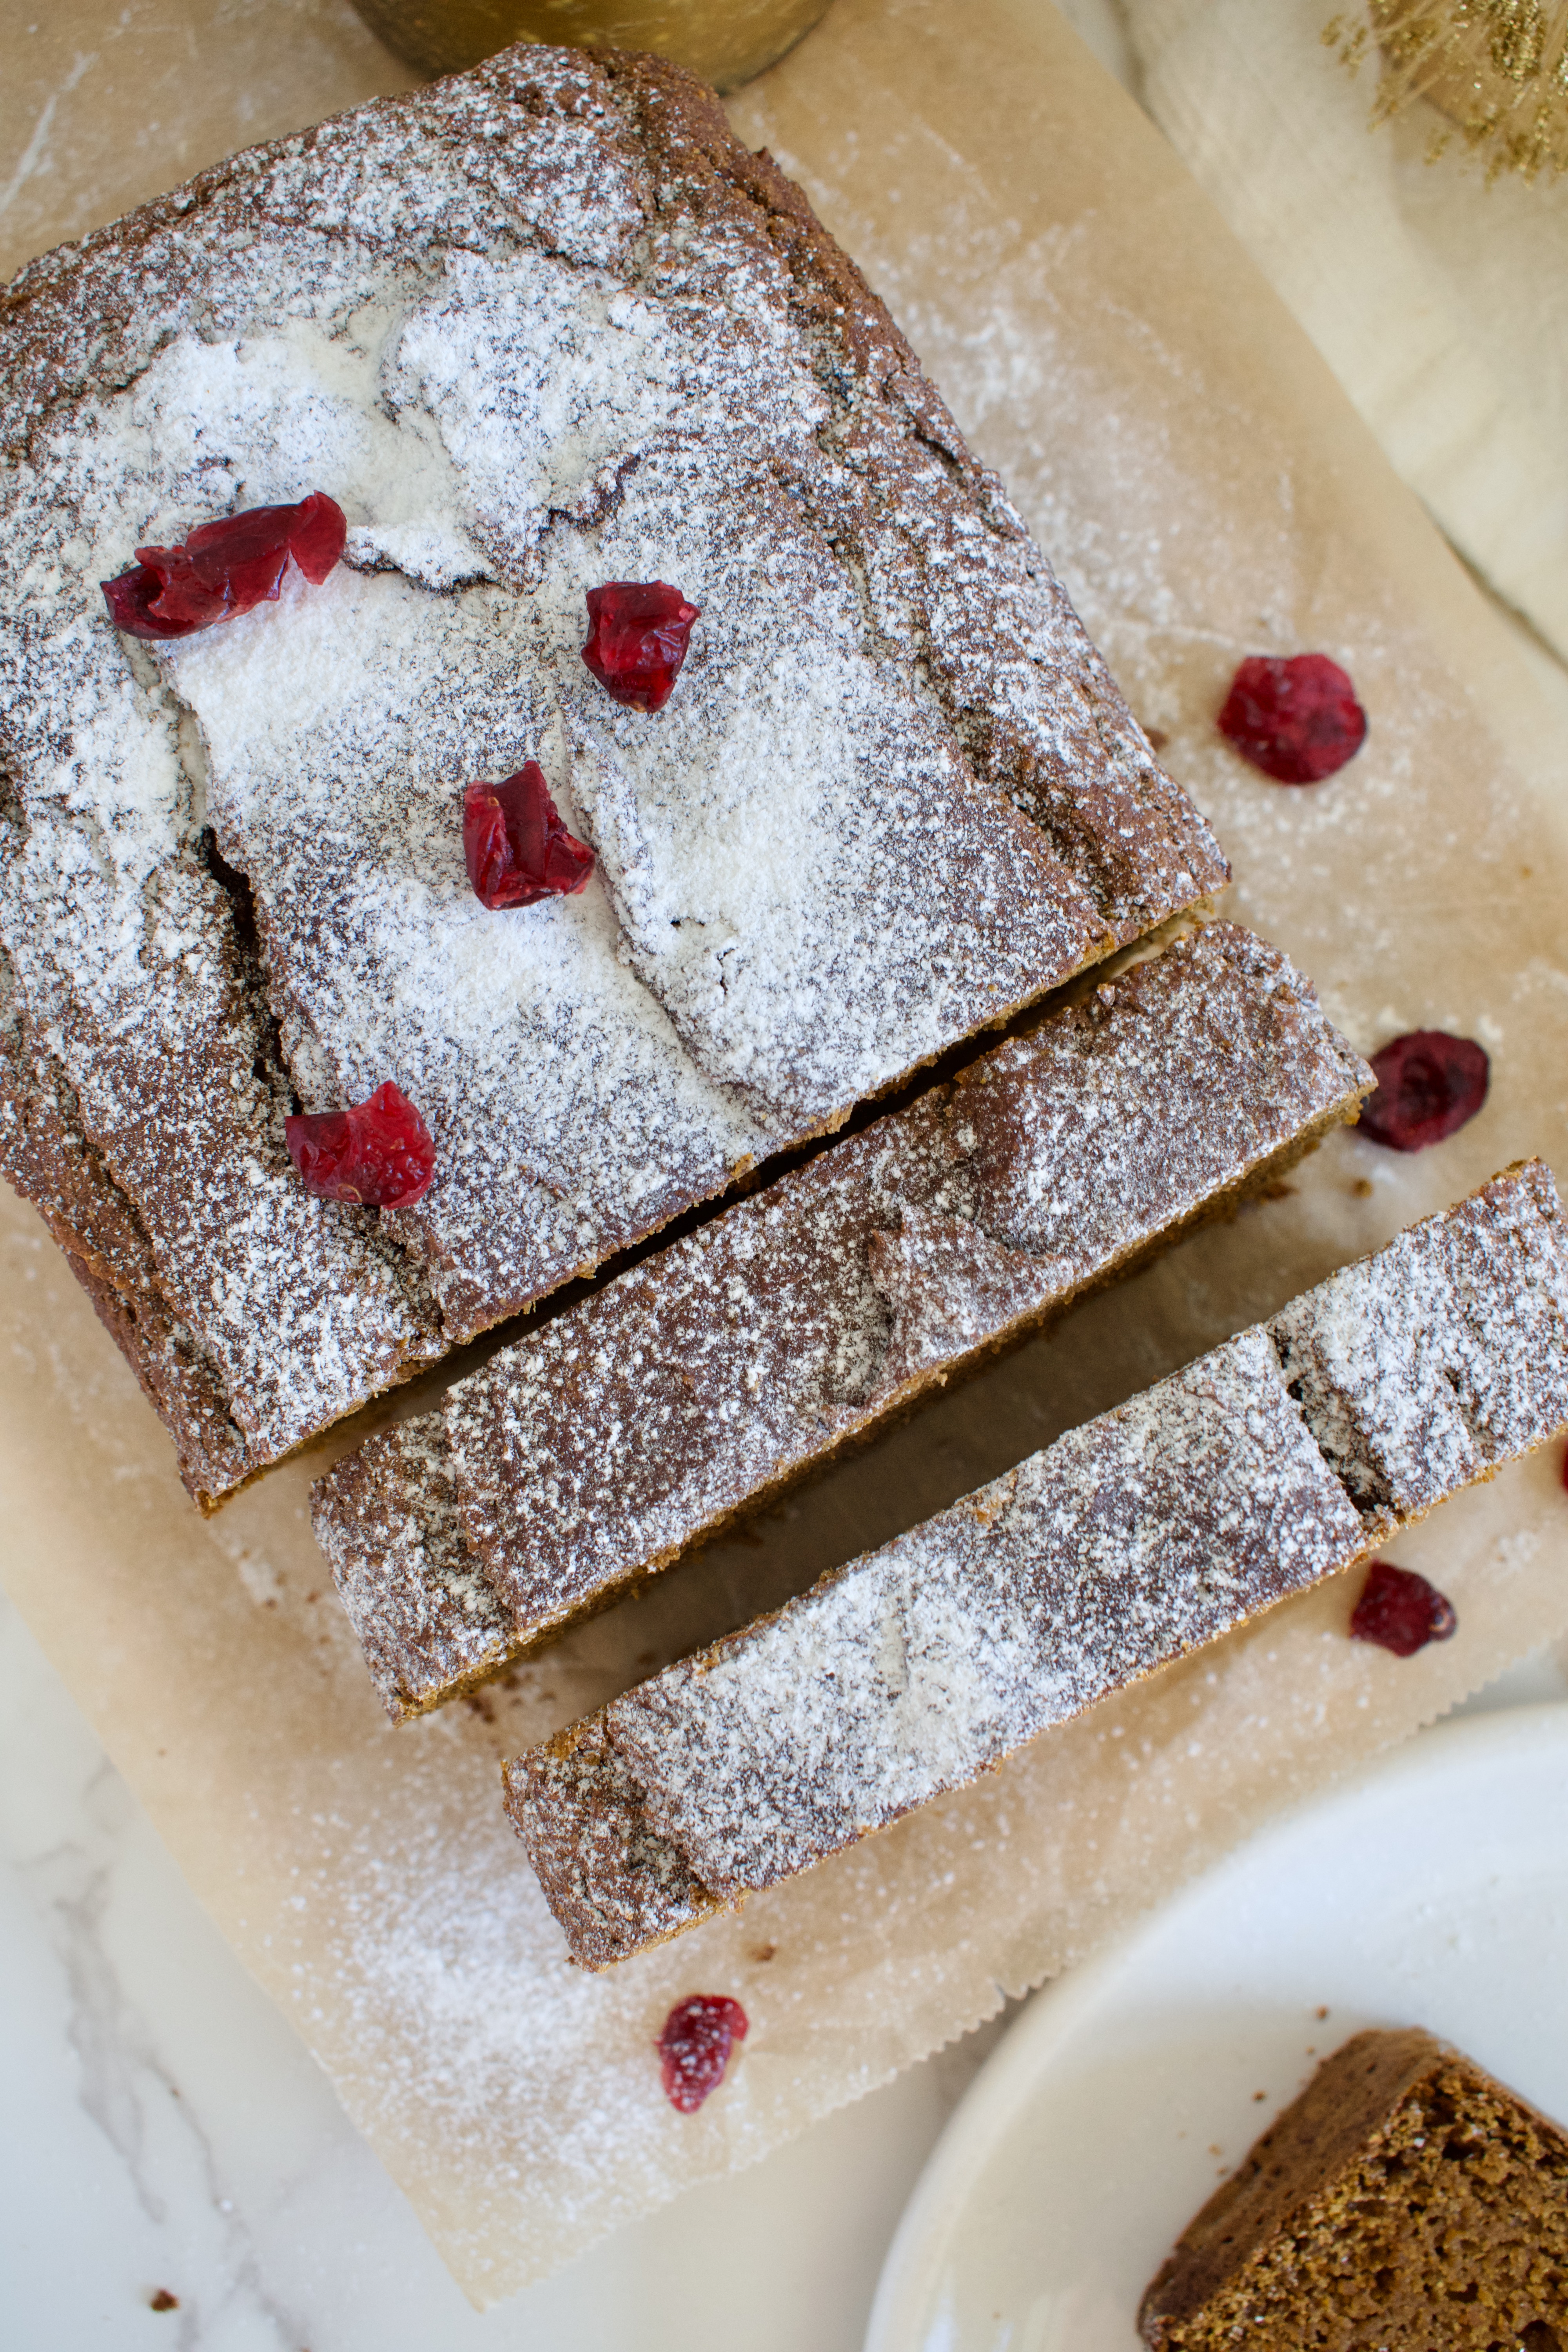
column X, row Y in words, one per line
column 542, row 325
column 625, row 1428
column 1130, row 1540
column 931, row 1659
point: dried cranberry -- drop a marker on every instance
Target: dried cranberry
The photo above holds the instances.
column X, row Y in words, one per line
column 226, row 568
column 1401, row 1612
column 1428, row 1086
column 694, row 2048
column 379, row 1152
column 162, row 598
column 638, row 635
column 1298, row 720
column 517, row 848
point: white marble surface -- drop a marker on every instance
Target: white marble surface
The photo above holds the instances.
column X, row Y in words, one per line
column 165, row 2129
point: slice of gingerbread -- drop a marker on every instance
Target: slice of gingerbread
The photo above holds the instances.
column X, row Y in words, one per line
column 541, row 331
column 1128, row 1542
column 1405, row 2200
column 595, row 1450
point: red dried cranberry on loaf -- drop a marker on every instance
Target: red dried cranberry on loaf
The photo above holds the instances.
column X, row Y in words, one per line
column 226, row 568
column 1298, row 720
column 162, row 598
column 1401, row 1612
column 638, row 630
column 517, row 848
column 1429, row 1085
column 377, row 1152
column 694, row 2048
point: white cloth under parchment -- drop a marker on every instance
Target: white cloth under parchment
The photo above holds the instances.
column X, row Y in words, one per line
column 1440, row 304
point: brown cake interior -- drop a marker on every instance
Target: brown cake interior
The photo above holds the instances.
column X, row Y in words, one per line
column 1405, row 2200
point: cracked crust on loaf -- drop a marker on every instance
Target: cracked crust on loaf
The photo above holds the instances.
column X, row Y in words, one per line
column 597, row 1449
column 538, row 326
column 1128, row 1543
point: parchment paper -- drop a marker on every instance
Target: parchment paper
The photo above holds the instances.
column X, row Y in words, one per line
column 106, row 103
column 1207, row 491
column 1440, row 303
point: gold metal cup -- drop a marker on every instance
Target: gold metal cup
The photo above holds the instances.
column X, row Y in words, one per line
column 725, row 41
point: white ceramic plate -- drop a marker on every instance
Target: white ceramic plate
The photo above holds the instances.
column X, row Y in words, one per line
column 1433, row 1892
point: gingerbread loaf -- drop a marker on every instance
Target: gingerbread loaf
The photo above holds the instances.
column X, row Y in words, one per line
column 1405, row 2200
column 540, row 327
column 603, row 1444
column 1279, row 1457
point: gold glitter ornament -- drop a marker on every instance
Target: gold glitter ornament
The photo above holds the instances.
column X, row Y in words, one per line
column 1497, row 70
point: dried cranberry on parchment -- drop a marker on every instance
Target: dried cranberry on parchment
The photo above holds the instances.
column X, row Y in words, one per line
column 1429, row 1085
column 694, row 2047
column 224, row 568
column 377, row 1152
column 1298, row 720
column 638, row 630
column 1401, row 1612
column 516, row 846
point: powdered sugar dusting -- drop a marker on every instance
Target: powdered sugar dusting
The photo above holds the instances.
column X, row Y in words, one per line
column 1126, row 1543
column 130, row 1004
column 1150, row 1531
column 1398, row 1361
column 532, row 328
column 607, row 1441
